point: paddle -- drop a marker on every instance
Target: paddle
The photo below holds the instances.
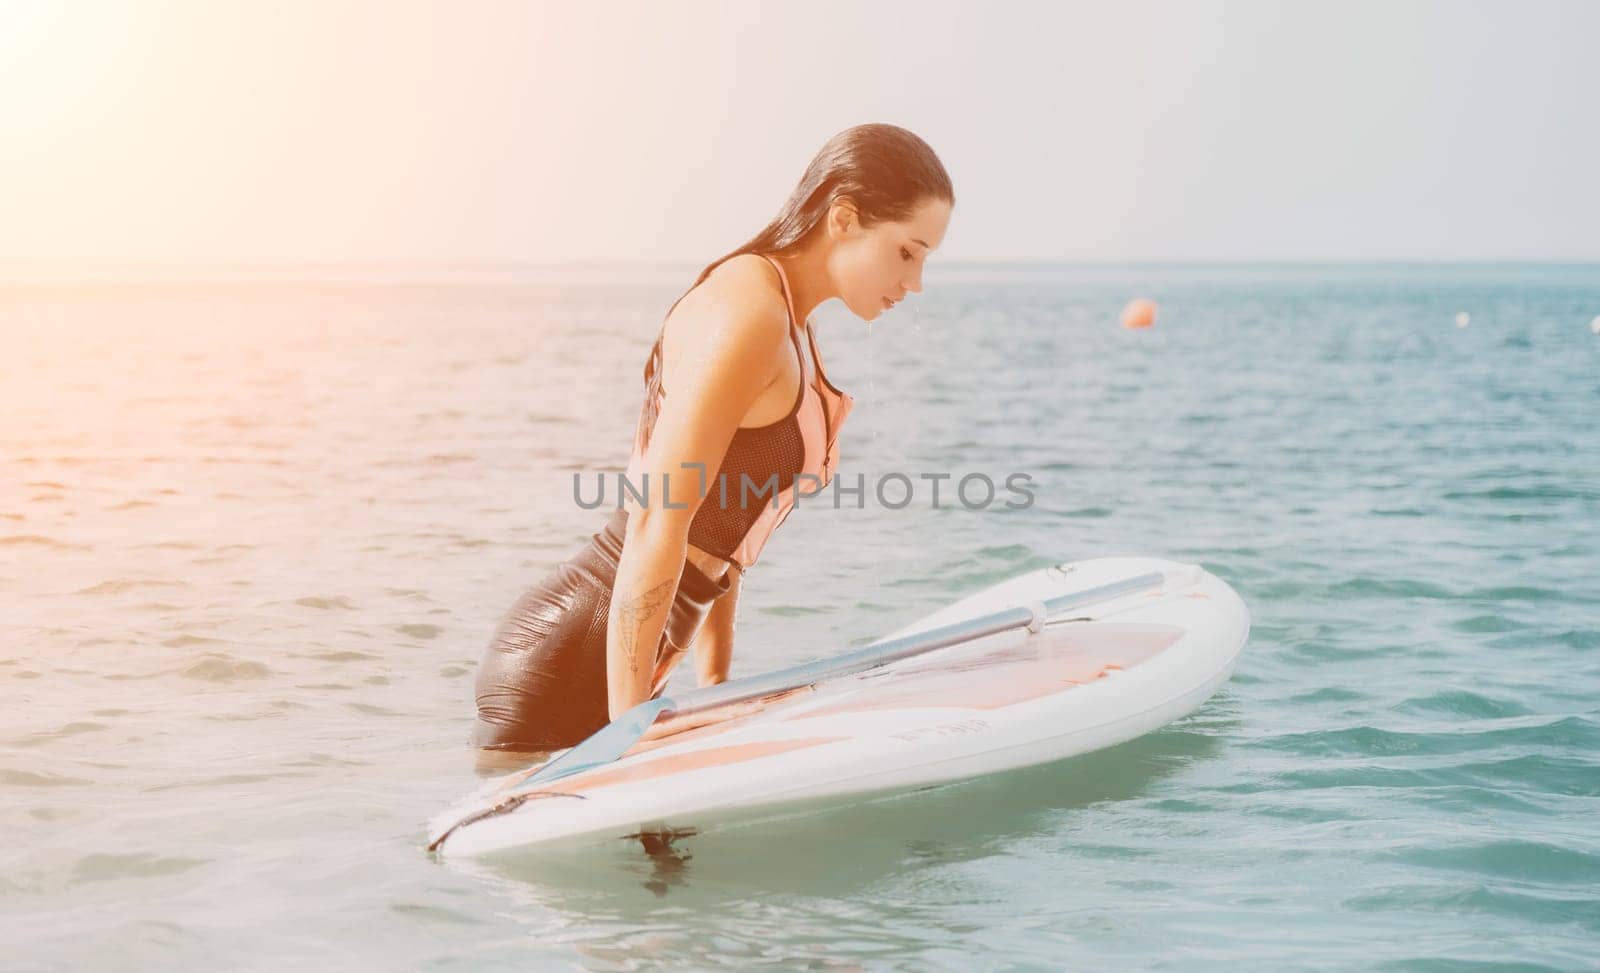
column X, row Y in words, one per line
column 615, row 738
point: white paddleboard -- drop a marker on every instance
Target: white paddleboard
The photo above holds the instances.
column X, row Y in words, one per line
column 1094, row 677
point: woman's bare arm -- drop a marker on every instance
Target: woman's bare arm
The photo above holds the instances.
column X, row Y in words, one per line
column 713, row 648
column 731, row 345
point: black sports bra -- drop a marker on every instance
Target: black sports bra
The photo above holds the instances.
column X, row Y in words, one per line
column 760, row 463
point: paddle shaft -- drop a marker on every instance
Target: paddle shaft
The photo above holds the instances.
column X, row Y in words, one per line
column 893, row 650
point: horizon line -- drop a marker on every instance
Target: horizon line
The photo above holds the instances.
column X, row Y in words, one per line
column 507, row 265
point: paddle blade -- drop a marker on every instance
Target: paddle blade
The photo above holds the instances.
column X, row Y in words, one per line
column 606, row 744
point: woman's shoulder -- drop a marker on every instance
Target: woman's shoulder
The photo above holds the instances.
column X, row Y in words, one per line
column 750, row 278
column 746, row 268
column 743, row 293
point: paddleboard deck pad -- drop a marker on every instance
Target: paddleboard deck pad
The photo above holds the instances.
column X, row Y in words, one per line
column 1093, row 676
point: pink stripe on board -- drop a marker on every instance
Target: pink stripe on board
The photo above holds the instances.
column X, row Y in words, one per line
column 1028, row 669
column 683, row 763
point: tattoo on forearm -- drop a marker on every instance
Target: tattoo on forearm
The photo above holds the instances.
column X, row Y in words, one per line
column 634, row 611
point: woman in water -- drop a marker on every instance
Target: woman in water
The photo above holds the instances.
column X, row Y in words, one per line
column 749, row 410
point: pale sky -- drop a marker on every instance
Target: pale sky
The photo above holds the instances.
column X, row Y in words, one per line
column 305, row 131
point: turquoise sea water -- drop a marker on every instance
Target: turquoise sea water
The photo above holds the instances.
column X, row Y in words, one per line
column 254, row 536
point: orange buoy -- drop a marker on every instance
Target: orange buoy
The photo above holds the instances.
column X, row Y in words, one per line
column 1140, row 313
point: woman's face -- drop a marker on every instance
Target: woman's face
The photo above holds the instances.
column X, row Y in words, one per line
column 874, row 267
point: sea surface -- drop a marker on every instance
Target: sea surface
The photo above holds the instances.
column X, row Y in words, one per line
column 256, row 529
